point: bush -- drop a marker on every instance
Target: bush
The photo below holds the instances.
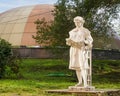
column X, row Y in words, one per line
column 9, row 64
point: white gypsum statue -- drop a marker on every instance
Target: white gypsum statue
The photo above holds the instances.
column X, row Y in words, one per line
column 80, row 42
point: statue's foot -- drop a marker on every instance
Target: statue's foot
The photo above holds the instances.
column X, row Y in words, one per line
column 78, row 85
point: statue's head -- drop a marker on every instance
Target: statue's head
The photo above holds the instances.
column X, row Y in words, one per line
column 79, row 19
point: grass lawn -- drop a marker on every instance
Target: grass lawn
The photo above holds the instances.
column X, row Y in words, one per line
column 38, row 75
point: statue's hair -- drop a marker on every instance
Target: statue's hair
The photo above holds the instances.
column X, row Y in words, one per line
column 79, row 18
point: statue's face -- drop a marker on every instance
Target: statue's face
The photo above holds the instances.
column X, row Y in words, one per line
column 78, row 23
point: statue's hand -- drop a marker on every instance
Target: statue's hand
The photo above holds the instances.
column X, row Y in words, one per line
column 68, row 41
column 88, row 47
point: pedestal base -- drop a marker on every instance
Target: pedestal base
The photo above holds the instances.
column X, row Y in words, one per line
column 100, row 92
column 76, row 88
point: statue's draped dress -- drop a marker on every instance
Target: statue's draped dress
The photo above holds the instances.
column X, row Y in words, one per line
column 78, row 56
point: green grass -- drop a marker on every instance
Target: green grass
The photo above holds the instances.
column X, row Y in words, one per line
column 38, row 75
column 39, row 69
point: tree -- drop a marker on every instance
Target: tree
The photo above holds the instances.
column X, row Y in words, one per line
column 58, row 31
column 43, row 35
column 61, row 24
column 96, row 14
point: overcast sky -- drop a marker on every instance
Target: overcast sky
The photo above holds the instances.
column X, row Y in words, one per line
column 9, row 4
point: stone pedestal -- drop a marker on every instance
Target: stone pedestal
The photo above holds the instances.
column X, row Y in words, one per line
column 100, row 92
column 79, row 88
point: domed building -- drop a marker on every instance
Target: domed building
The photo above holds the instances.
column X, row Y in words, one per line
column 17, row 25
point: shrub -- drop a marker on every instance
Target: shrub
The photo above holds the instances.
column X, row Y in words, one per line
column 9, row 64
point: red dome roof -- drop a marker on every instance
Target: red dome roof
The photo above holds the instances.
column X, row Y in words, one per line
column 17, row 25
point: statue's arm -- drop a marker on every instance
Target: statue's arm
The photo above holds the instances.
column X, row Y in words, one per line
column 88, row 40
column 72, row 43
column 68, row 40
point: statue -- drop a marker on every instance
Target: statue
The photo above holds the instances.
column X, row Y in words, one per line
column 80, row 42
